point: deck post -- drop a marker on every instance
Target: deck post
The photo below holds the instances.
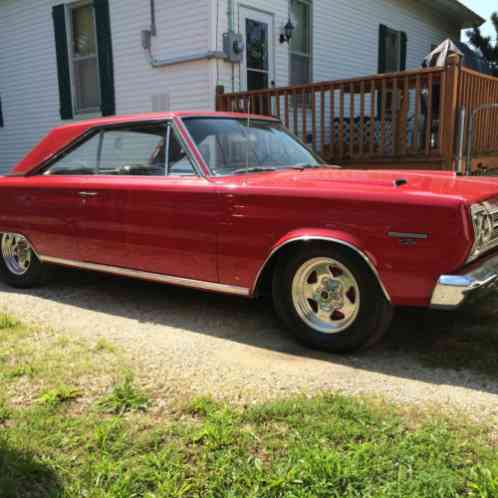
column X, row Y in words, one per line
column 220, row 101
column 448, row 114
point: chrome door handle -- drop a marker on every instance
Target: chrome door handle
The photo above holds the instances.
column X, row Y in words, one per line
column 87, row 194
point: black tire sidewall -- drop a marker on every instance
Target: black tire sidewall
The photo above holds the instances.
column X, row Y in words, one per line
column 33, row 277
column 372, row 301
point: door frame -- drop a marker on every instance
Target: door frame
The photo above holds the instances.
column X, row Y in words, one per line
column 244, row 10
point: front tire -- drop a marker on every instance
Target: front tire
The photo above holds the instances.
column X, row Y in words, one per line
column 19, row 265
column 330, row 300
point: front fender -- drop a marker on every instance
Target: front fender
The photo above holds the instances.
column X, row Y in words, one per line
column 336, row 236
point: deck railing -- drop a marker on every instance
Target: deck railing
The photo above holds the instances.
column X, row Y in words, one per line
column 411, row 116
column 477, row 90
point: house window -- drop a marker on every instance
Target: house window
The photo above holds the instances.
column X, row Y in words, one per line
column 392, row 50
column 392, row 59
column 392, row 42
column 300, row 43
column 83, row 54
column 84, row 58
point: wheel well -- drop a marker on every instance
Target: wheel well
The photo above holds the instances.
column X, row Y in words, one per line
column 265, row 280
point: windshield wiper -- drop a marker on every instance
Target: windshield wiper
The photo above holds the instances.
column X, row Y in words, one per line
column 302, row 167
column 254, row 169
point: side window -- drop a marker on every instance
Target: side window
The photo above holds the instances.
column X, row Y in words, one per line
column 138, row 150
column 179, row 163
column 80, row 161
column 134, row 151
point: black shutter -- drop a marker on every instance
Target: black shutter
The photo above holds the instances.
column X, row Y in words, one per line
column 61, row 49
column 106, row 67
column 382, row 48
column 404, row 49
column 1, row 114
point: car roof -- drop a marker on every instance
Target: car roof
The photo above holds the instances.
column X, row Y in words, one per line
column 62, row 136
column 160, row 116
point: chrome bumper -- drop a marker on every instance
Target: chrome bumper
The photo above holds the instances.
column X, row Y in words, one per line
column 452, row 291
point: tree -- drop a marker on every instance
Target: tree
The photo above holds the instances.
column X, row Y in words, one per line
column 486, row 44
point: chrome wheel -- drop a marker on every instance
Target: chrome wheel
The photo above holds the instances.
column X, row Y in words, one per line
column 326, row 295
column 16, row 253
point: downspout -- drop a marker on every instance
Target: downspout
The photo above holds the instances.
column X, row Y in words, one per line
column 231, row 28
column 231, row 16
column 153, row 25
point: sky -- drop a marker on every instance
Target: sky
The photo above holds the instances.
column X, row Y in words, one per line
column 484, row 8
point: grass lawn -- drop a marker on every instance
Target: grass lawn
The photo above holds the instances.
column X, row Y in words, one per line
column 74, row 423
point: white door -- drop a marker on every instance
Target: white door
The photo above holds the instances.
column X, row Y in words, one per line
column 257, row 30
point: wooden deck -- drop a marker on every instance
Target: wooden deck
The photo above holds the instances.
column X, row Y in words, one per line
column 409, row 119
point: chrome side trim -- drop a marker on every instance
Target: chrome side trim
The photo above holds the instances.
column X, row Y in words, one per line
column 327, row 239
column 408, row 235
column 155, row 277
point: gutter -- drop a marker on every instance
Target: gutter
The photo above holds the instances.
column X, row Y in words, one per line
column 182, row 59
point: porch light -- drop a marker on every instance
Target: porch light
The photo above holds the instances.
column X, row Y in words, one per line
column 288, row 31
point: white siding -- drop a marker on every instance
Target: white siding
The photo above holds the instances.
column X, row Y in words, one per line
column 28, row 71
column 346, row 34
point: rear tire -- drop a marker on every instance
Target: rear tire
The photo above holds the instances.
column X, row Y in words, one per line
column 329, row 299
column 19, row 265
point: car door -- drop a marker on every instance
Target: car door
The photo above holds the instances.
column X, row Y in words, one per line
column 125, row 153
column 49, row 205
column 80, row 215
column 172, row 218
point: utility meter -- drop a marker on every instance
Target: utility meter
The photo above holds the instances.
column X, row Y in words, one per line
column 233, row 46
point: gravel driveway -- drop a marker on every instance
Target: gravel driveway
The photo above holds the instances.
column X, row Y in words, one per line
column 186, row 342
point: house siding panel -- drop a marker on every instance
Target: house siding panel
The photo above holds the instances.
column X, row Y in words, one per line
column 335, row 56
column 28, row 70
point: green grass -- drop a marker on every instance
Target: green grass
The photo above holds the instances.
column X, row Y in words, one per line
column 59, row 395
column 8, row 323
column 103, row 345
column 72, row 439
column 124, row 397
column 48, row 367
column 331, row 446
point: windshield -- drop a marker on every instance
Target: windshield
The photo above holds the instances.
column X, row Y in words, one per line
column 235, row 146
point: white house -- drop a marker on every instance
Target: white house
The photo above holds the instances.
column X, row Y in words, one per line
column 63, row 60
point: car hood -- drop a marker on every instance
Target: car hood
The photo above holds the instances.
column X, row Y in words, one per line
column 436, row 183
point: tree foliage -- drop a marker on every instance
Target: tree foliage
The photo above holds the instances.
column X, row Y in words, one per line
column 486, row 44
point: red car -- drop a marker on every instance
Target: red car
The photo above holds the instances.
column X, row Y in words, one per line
column 235, row 204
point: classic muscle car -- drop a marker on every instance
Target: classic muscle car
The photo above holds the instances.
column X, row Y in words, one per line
column 234, row 203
